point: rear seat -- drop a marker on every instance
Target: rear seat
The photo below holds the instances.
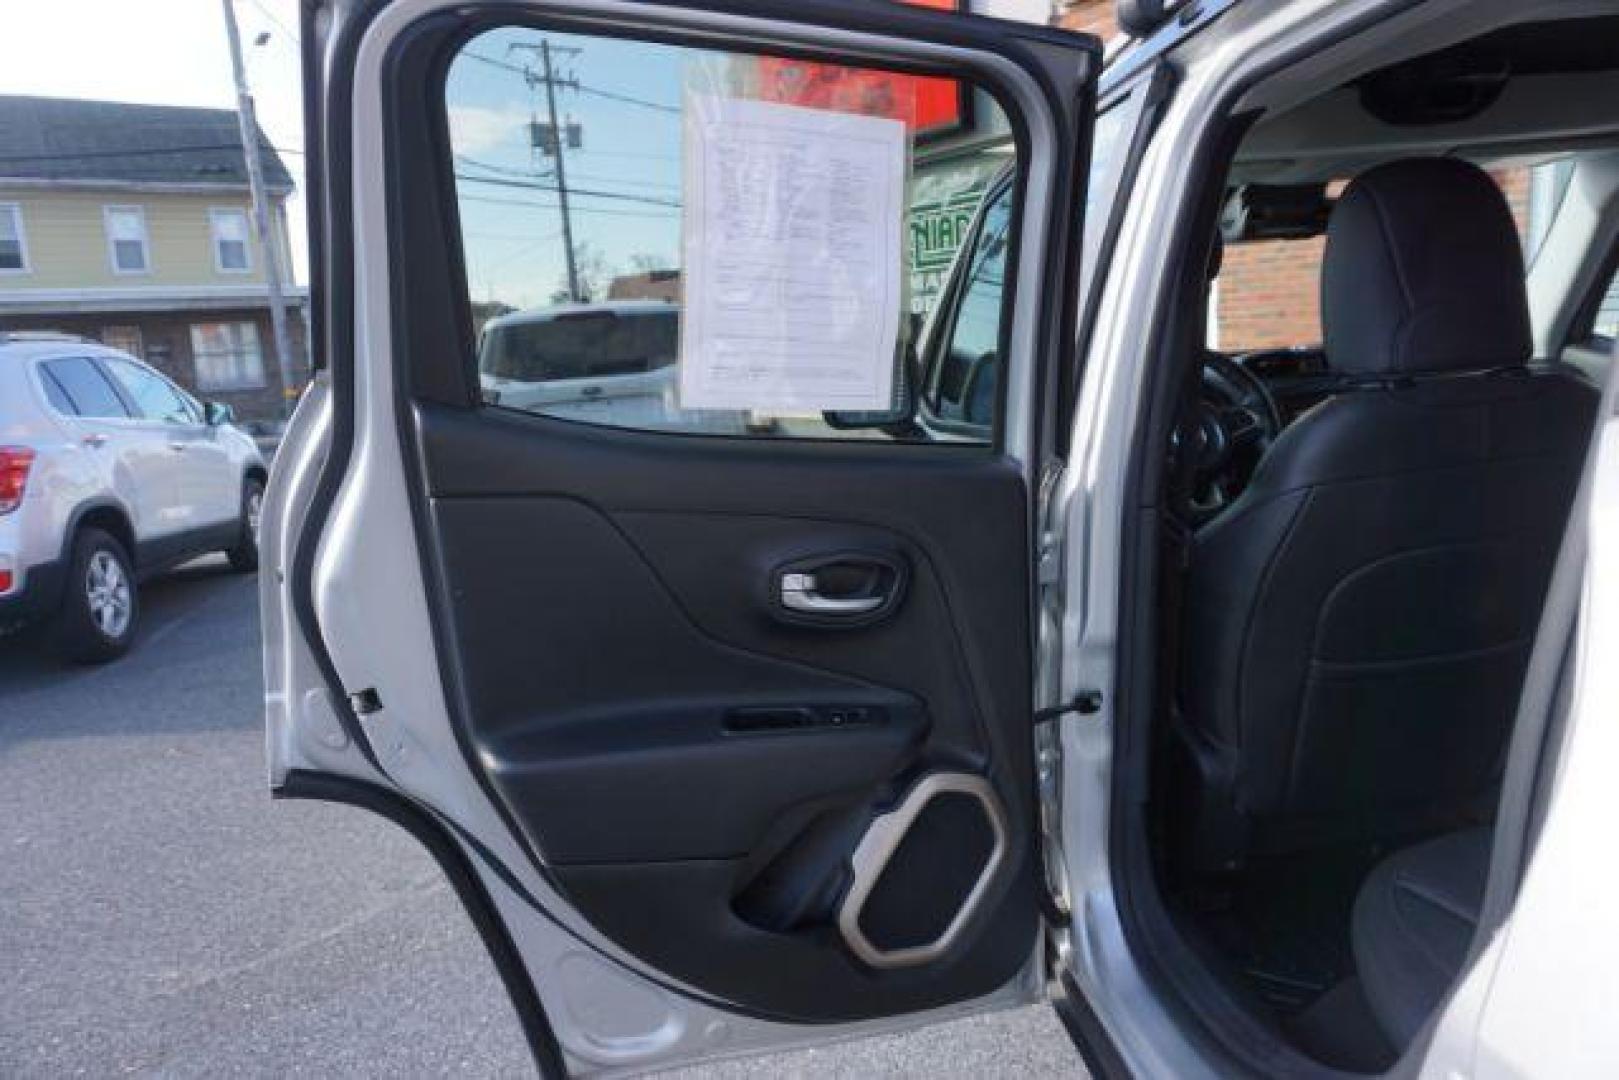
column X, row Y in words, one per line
column 1413, row 922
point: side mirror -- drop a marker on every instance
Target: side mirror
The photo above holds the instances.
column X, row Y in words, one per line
column 901, row 419
column 217, row 413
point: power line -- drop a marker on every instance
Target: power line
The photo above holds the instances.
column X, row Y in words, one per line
column 632, row 183
column 492, row 62
column 149, row 151
column 268, row 14
column 286, row 39
column 530, row 174
column 627, row 99
column 508, row 170
column 611, row 95
column 591, row 192
column 601, row 211
column 630, row 154
column 509, row 237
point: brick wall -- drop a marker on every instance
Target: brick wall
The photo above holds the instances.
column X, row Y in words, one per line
column 1270, row 292
column 166, row 345
column 1089, row 16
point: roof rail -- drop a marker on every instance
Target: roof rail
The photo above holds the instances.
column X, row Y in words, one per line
column 13, row 337
column 1130, row 52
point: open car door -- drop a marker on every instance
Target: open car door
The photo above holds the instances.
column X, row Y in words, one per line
column 718, row 712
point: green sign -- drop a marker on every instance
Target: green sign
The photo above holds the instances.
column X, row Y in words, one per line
column 937, row 228
column 944, row 199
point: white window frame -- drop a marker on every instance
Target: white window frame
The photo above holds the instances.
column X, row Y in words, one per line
column 14, row 209
column 214, row 215
column 107, row 213
column 196, row 364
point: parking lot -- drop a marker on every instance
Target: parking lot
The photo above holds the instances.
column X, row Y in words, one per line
column 163, row 917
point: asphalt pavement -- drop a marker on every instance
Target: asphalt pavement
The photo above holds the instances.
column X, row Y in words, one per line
column 160, row 915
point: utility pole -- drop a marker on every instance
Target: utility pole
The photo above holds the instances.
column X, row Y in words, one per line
column 558, row 140
column 248, row 124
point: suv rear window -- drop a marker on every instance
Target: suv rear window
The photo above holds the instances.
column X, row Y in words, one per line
column 86, row 389
column 580, row 345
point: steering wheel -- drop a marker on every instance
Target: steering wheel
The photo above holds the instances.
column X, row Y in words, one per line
column 1235, row 419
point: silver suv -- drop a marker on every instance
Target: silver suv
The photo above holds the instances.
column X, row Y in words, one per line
column 109, row 473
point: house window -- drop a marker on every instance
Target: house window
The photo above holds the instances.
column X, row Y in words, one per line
column 123, row 338
column 13, row 244
column 231, row 254
column 227, row 355
column 126, row 239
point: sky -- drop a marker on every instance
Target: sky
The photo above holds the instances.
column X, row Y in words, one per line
column 173, row 52
column 624, row 177
column 163, row 52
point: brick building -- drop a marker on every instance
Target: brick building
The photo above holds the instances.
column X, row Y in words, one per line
column 132, row 225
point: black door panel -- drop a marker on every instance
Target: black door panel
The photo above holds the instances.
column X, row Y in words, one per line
column 695, row 770
column 730, row 599
column 667, row 914
column 613, row 727
column 713, row 766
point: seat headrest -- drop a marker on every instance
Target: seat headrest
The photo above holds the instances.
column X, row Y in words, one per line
column 1423, row 272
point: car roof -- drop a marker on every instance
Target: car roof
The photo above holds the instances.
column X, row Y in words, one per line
column 605, row 307
column 54, row 348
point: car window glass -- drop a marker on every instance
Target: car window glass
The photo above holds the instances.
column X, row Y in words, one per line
column 86, row 387
column 56, row 395
column 154, row 397
column 966, row 375
column 1111, row 142
column 600, row 237
column 589, row 343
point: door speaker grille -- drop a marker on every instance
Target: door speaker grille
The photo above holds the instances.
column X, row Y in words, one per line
column 922, row 869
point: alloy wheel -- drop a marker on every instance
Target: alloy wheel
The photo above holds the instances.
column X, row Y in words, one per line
column 107, row 590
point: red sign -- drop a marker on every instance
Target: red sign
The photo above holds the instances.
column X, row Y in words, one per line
column 927, row 104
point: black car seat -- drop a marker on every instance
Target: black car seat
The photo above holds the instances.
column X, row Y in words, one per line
column 1413, row 923
column 1358, row 620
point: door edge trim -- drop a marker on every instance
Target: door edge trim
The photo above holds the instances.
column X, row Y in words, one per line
column 469, row 890
column 1085, row 1030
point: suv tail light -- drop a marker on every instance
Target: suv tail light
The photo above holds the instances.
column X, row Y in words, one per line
column 15, row 462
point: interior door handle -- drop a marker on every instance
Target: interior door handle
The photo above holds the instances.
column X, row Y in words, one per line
column 799, row 592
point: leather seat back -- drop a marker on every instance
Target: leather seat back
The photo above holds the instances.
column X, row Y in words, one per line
column 1359, row 620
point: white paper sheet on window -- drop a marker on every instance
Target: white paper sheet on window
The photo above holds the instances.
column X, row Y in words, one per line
column 792, row 261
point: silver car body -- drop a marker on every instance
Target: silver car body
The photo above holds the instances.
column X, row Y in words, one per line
column 617, row 1016
column 176, row 487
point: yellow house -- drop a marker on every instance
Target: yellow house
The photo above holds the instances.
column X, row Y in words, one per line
column 132, row 224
